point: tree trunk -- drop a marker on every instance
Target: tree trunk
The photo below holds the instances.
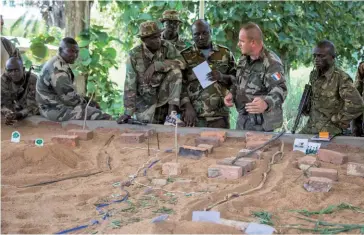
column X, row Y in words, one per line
column 287, row 66
column 77, row 20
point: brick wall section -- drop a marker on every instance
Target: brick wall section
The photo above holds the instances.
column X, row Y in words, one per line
column 171, row 168
column 206, row 146
column 247, row 165
column 192, row 152
column 132, row 138
column 214, row 141
column 69, row 140
column 307, row 162
column 318, row 184
column 330, row 156
column 324, row 172
column 219, row 134
column 82, row 134
column 225, row 172
column 355, row 169
column 256, row 154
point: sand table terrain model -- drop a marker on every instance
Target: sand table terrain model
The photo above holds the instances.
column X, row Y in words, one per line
column 118, row 181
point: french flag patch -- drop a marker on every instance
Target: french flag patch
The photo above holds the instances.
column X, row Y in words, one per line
column 276, row 76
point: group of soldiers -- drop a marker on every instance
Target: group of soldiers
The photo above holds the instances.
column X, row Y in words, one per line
column 162, row 88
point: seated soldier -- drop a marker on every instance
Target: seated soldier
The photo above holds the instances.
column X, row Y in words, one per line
column 17, row 92
column 56, row 96
column 153, row 79
column 357, row 127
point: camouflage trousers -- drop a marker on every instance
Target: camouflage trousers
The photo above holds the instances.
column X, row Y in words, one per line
column 315, row 128
column 222, row 122
column 64, row 113
column 168, row 92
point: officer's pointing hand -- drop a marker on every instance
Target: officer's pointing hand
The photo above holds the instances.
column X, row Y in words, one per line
column 257, row 106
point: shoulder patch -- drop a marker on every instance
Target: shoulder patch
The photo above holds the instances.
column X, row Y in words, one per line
column 276, row 76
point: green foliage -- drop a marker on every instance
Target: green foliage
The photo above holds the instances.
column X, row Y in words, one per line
column 96, row 57
column 331, row 209
column 264, row 217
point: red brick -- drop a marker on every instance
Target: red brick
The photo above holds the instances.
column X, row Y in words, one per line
column 220, row 134
column 334, row 157
column 214, row 141
column 225, row 172
column 192, row 152
column 50, row 124
column 206, row 146
column 70, row 140
column 107, row 130
column 307, row 162
column 247, row 164
column 318, row 184
column 355, row 169
column 323, row 172
column 83, row 134
column 72, row 126
column 171, row 168
column 256, row 154
column 132, row 138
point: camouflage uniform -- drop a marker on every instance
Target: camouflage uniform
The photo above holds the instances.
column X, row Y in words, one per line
column 7, row 50
column 20, row 99
column 209, row 102
column 57, row 97
column 359, row 85
column 334, row 102
column 263, row 77
column 178, row 42
column 147, row 101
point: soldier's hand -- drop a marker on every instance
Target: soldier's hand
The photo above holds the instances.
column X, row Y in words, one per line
column 123, row 119
column 228, row 100
column 257, row 106
column 149, row 73
column 214, row 75
column 190, row 115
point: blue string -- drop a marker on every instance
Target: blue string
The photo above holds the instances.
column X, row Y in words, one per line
column 150, row 166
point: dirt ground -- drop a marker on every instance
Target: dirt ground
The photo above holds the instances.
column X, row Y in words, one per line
column 58, row 206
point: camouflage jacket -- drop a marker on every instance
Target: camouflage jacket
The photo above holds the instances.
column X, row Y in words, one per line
column 262, row 77
column 7, row 50
column 19, row 98
column 178, row 42
column 209, row 102
column 136, row 92
column 334, row 102
column 55, row 85
column 359, row 79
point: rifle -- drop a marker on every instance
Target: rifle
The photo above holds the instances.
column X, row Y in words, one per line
column 304, row 105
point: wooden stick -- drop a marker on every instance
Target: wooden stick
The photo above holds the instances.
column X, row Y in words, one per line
column 158, row 140
column 176, row 142
column 88, row 103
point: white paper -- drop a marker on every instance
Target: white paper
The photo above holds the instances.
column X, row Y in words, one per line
column 201, row 72
column 313, row 148
column 39, row 142
column 254, row 228
column 300, row 145
column 15, row 137
column 206, row 216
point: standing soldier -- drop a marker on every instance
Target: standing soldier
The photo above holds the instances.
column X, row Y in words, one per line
column 56, row 96
column 358, row 123
column 17, row 92
column 170, row 20
column 205, row 107
column 334, row 100
column 259, row 88
column 153, row 79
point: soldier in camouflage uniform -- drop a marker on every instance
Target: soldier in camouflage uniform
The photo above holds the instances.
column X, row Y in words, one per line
column 171, row 22
column 205, row 107
column 357, row 127
column 259, row 88
column 17, row 92
column 334, row 100
column 153, row 78
column 56, row 95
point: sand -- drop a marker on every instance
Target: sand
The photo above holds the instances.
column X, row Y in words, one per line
column 69, row 203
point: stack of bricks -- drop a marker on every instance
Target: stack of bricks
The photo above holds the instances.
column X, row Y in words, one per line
column 224, row 168
column 214, row 138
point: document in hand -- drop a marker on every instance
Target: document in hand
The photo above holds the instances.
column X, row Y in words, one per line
column 201, row 72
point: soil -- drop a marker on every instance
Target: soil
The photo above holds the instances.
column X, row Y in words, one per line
column 53, row 207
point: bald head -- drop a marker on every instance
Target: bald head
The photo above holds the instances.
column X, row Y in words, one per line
column 253, row 32
column 201, row 34
column 68, row 50
column 14, row 69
